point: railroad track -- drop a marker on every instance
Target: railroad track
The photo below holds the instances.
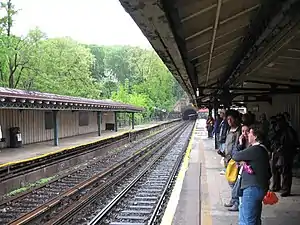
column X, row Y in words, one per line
column 9, row 172
column 141, row 201
column 18, row 169
column 38, row 205
column 138, row 197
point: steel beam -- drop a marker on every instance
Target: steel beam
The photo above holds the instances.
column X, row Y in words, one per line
column 202, row 11
column 55, row 127
column 277, row 33
column 218, row 37
column 275, row 92
column 116, row 121
column 244, row 89
column 215, row 56
column 222, row 22
column 272, row 83
column 99, row 120
column 132, row 121
column 213, row 39
column 173, row 17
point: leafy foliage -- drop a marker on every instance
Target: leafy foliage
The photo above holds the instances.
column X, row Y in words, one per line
column 61, row 65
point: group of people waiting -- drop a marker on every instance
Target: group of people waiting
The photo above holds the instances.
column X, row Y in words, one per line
column 268, row 148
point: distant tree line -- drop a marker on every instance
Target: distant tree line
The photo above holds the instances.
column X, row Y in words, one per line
column 64, row 66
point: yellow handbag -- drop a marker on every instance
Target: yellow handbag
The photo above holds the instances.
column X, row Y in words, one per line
column 231, row 171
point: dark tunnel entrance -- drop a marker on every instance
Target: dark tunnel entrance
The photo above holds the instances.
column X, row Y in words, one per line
column 189, row 114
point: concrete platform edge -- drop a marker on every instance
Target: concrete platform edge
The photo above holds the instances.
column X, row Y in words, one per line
column 76, row 146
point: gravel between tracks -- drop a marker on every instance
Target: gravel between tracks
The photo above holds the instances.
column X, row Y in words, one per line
column 36, row 198
column 141, row 200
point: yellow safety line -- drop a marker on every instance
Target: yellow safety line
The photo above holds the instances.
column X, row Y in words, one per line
column 206, row 216
column 174, row 199
column 76, row 146
column 62, row 149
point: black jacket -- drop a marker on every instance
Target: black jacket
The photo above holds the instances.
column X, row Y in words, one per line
column 287, row 142
column 257, row 157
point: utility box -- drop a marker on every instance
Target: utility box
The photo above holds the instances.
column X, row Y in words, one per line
column 15, row 137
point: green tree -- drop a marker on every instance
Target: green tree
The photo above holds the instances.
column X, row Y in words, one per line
column 61, row 65
column 65, row 63
column 98, row 67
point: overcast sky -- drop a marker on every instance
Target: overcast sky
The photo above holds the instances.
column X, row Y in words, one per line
column 102, row 22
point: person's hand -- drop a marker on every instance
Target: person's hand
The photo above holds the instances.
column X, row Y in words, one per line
column 242, row 163
column 241, row 138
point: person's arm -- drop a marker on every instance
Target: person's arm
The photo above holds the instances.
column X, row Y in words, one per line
column 235, row 141
column 240, row 147
column 245, row 155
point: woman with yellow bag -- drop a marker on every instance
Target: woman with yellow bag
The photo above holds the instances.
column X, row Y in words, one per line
column 255, row 185
column 232, row 166
column 231, row 143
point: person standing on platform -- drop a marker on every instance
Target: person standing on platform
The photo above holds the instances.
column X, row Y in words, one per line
column 284, row 149
column 231, row 143
column 287, row 117
column 217, row 125
column 243, row 139
column 221, row 138
column 254, row 186
column 216, row 129
column 210, row 126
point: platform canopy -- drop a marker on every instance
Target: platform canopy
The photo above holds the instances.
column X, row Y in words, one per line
column 220, row 50
column 14, row 98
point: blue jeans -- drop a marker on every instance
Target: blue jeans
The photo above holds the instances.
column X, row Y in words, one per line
column 251, row 206
column 234, row 201
column 222, row 147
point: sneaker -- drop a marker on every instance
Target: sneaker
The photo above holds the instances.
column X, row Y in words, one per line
column 234, row 208
column 222, row 172
column 285, row 194
column 275, row 189
column 228, row 205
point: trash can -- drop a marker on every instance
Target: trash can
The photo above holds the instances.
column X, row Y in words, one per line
column 15, row 137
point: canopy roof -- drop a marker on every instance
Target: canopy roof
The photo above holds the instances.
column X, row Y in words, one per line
column 216, row 49
column 14, row 98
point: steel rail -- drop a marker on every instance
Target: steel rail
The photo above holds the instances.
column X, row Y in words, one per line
column 21, row 168
column 165, row 191
column 110, row 205
column 47, row 207
column 19, row 196
column 89, row 199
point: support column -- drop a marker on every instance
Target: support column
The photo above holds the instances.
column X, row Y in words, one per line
column 216, row 136
column 99, row 119
column 132, row 120
column 55, row 127
column 116, row 121
column 210, row 110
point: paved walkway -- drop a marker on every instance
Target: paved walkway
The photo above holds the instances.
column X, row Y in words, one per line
column 204, row 192
column 33, row 150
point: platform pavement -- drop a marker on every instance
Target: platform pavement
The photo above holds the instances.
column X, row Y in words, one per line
column 205, row 191
column 38, row 149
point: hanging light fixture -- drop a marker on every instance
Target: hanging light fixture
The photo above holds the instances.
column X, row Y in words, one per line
column 197, row 92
